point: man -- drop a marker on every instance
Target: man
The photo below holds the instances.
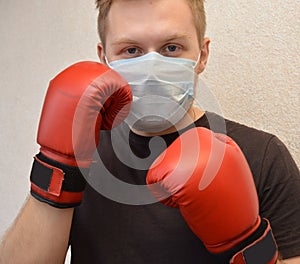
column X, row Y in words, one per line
column 124, row 224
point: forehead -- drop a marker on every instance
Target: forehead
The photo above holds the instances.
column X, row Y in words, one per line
column 146, row 17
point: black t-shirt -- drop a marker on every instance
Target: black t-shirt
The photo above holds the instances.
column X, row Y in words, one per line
column 117, row 222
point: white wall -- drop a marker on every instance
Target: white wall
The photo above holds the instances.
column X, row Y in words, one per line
column 253, row 72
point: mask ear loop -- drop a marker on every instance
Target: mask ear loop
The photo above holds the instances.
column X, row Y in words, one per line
column 198, row 60
column 106, row 61
column 196, row 77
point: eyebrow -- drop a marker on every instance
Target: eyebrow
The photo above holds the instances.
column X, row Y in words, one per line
column 124, row 40
column 169, row 38
column 176, row 36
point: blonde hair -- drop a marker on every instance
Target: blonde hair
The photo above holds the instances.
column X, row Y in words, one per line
column 197, row 7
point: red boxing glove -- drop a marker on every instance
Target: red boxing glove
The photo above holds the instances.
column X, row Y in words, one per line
column 81, row 100
column 207, row 176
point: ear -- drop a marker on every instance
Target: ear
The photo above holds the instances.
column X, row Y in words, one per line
column 203, row 56
column 101, row 53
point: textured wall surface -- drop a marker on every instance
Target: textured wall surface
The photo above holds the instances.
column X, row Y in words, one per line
column 252, row 75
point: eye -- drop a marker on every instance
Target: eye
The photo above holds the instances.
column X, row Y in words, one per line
column 171, row 50
column 132, row 52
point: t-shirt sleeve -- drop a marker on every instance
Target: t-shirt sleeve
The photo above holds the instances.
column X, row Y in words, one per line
column 280, row 197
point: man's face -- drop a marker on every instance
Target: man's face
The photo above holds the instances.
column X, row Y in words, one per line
column 136, row 27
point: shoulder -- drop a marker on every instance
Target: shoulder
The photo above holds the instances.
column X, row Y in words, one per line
column 248, row 138
column 266, row 154
column 253, row 142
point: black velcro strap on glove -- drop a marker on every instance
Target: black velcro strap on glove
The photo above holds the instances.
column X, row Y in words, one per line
column 259, row 248
column 57, row 184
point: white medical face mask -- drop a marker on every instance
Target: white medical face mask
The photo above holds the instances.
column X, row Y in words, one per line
column 162, row 89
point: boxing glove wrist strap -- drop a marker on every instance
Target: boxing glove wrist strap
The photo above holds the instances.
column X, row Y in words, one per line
column 55, row 183
column 259, row 248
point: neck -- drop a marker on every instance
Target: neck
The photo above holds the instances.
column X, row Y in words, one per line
column 193, row 114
